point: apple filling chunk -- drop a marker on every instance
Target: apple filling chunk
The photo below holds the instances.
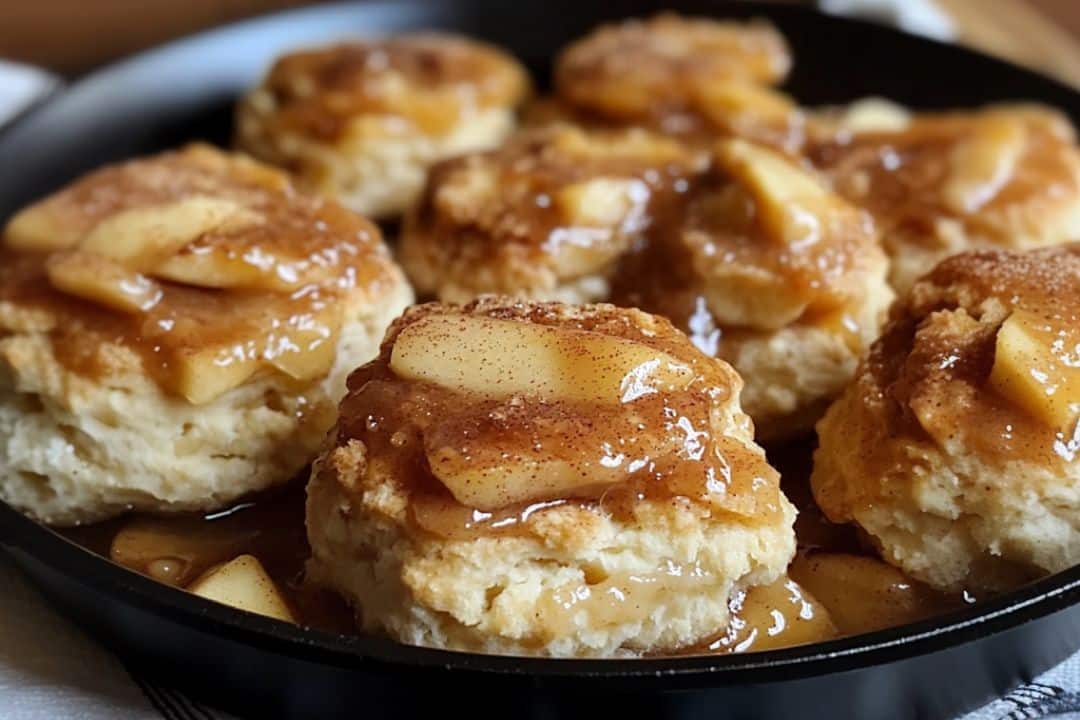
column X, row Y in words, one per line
column 1037, row 367
column 495, row 358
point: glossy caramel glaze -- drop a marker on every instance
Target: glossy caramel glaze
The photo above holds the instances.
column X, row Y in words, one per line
column 860, row 592
column 678, row 75
column 736, row 258
column 932, row 365
column 430, row 81
column 998, row 170
column 551, row 206
column 653, row 446
column 263, row 285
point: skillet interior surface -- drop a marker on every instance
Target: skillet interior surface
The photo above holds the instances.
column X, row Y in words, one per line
column 256, row 666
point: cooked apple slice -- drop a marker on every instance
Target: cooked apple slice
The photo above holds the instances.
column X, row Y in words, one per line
column 983, row 161
column 872, row 114
column 305, row 348
column 102, row 281
column 177, row 549
column 204, row 374
column 863, row 594
column 502, row 358
column 490, row 483
column 142, row 237
column 244, row 584
column 603, row 202
column 42, row 227
column 223, row 268
column 781, row 614
column 789, row 199
column 720, row 101
column 216, row 268
column 234, row 266
column 1037, row 367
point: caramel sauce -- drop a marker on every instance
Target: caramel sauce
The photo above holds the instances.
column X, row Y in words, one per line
column 515, row 209
column 719, row 225
column 285, row 268
column 178, row 549
column 904, row 177
column 657, row 71
column 932, row 368
column 660, row 446
column 429, row 80
column 836, row 587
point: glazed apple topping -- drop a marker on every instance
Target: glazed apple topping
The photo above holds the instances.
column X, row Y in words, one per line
column 558, row 199
column 495, row 411
column 1037, row 367
column 207, row 264
column 427, row 80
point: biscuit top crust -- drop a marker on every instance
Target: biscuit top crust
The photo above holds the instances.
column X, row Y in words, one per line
column 984, row 355
column 209, row 266
column 665, row 67
column 429, row 81
column 763, row 240
column 489, row 414
column 558, row 197
column 999, row 170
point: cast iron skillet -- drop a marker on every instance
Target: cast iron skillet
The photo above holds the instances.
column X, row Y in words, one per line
column 259, row 667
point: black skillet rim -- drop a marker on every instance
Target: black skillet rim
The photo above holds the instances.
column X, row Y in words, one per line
column 30, row 541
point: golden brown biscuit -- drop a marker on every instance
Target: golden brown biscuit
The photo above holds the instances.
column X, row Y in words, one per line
column 175, row 332
column 771, row 271
column 545, row 217
column 544, row 479
column 363, row 121
column 954, row 449
column 685, row 76
column 942, row 183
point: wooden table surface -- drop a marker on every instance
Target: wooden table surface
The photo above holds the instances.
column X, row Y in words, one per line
column 71, row 36
column 1043, row 34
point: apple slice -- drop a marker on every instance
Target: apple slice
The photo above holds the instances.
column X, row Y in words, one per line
column 177, row 549
column 781, row 614
column 492, row 483
column 143, row 236
column 207, row 373
column 102, row 281
column 243, row 583
column 306, row 347
column 720, row 101
column 983, row 162
column 604, row 202
column 215, row 268
column 41, row 227
column 1037, row 367
column 789, row 199
column 862, row 593
column 498, row 358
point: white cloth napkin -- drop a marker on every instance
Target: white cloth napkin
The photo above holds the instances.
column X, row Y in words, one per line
column 20, row 87
column 50, row 669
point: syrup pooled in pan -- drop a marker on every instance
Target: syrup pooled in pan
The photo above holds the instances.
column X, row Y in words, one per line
column 834, row 588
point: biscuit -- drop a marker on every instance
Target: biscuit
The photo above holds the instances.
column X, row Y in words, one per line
column 773, row 272
column 938, row 184
column 692, row 77
column 363, row 121
column 544, row 217
column 543, row 479
column 175, row 332
column 954, row 447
